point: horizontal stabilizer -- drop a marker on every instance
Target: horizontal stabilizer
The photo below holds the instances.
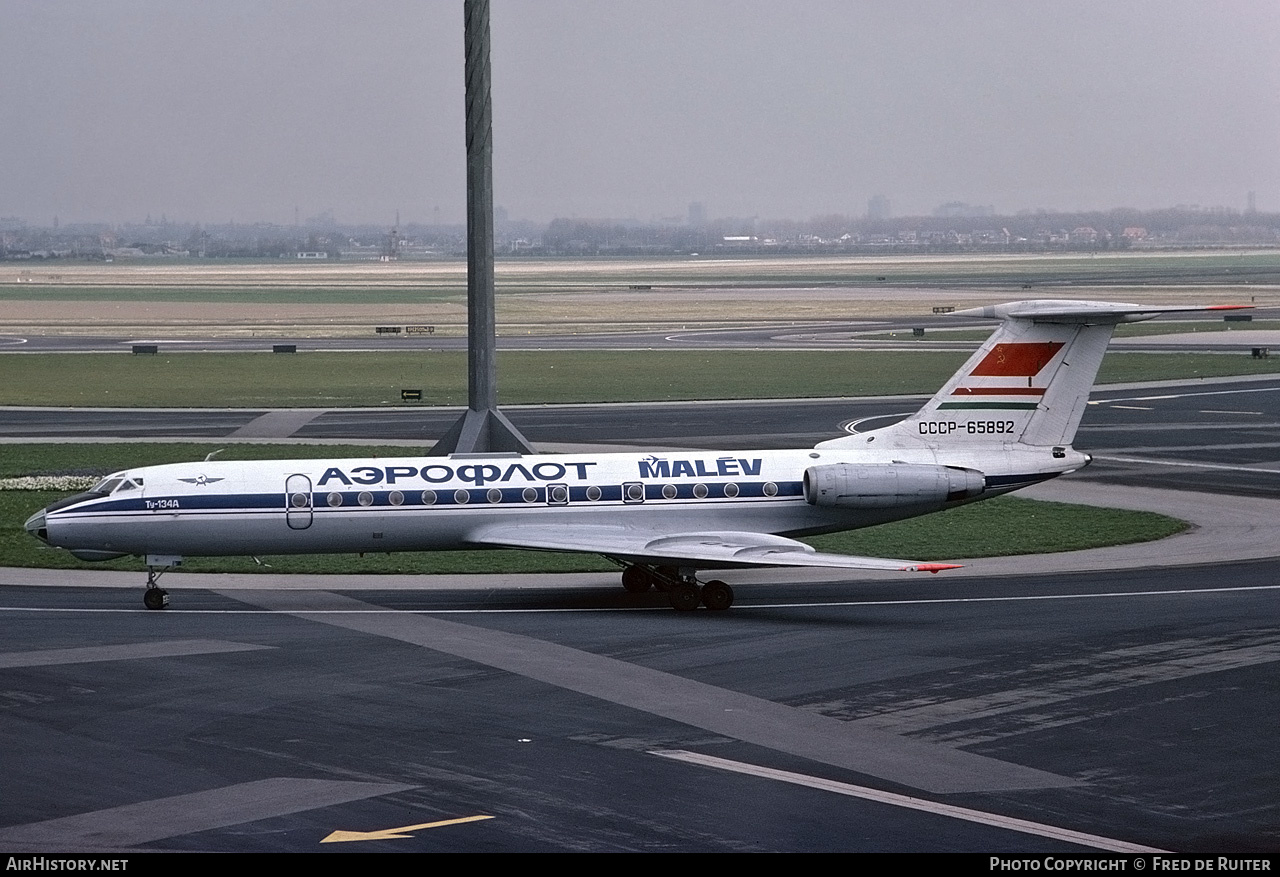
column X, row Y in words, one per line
column 1090, row 312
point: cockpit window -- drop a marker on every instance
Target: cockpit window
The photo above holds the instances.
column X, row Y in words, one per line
column 116, row 484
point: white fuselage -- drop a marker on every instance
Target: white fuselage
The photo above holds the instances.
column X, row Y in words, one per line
column 430, row 503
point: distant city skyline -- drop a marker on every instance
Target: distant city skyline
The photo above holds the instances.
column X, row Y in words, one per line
column 877, row 210
column 246, row 111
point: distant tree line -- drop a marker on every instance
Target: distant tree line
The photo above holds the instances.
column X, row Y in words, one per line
column 563, row 237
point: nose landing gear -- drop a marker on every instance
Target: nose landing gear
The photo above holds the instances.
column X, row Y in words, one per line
column 156, row 597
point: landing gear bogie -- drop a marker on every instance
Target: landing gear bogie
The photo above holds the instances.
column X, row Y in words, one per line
column 681, row 587
column 717, row 595
column 664, row 577
column 637, row 580
column 684, row 596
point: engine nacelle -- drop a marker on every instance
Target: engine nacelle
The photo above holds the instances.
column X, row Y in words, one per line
column 886, row 485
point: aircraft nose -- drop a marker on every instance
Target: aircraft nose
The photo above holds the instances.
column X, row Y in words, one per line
column 36, row 526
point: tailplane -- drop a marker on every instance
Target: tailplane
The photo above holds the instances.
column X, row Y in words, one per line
column 1029, row 383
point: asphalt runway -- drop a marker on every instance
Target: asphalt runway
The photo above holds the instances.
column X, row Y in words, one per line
column 1122, row 699
column 759, row 335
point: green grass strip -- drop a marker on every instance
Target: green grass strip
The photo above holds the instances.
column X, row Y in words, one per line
column 334, row 380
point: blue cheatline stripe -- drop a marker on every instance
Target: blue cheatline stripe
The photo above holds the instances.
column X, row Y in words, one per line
column 476, row 497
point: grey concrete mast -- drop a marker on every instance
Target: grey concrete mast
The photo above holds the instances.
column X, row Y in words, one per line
column 483, row 427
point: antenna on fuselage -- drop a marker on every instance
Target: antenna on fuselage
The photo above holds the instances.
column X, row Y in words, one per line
column 483, row 427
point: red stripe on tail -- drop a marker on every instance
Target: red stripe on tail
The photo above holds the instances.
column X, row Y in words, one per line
column 1021, row 359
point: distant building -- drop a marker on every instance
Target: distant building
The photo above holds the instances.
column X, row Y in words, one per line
column 878, row 208
column 312, row 254
column 956, row 209
column 990, row 236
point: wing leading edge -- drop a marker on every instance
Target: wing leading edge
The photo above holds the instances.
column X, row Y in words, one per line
column 724, row 549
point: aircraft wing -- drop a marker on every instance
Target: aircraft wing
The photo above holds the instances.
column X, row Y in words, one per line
column 724, row 549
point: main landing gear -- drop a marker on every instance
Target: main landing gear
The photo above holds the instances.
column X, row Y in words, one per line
column 681, row 586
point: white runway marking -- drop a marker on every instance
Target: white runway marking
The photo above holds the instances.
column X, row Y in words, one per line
column 738, row 607
column 979, row 816
column 854, row 426
column 1184, row 465
column 1167, row 396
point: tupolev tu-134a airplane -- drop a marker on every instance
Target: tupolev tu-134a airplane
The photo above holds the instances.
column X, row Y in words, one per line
column 1005, row 420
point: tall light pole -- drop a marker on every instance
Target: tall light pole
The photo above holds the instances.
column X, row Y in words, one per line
column 483, row 427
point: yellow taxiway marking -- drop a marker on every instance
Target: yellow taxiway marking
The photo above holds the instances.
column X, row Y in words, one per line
column 392, row 833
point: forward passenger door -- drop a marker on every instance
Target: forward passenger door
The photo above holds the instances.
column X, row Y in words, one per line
column 298, row 502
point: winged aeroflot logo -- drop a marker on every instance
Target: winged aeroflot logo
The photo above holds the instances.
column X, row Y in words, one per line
column 200, row 480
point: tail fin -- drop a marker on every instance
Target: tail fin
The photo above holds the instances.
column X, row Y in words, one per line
column 1030, row 382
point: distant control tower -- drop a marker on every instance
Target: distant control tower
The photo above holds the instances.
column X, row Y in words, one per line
column 391, row 248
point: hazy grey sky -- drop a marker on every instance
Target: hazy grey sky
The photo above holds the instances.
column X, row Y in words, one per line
column 244, row 109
